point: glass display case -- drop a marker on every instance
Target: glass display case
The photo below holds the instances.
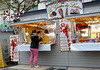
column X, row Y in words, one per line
column 85, row 30
column 47, row 30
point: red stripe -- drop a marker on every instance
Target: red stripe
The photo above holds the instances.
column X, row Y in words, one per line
column 80, row 25
column 83, row 40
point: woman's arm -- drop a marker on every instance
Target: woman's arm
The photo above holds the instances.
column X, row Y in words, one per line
column 37, row 39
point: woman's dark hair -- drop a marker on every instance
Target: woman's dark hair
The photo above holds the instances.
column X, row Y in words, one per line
column 38, row 32
column 34, row 31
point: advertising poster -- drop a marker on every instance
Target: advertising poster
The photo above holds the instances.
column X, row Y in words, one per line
column 14, row 48
column 64, row 8
column 65, row 35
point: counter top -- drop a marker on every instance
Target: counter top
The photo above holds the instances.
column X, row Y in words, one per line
column 85, row 47
column 42, row 47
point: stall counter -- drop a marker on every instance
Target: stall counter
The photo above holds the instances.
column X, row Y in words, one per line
column 42, row 47
column 85, row 47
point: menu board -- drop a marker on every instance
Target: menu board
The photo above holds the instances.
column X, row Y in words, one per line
column 63, row 8
column 65, row 35
column 14, row 48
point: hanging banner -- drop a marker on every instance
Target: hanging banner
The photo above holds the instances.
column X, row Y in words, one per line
column 65, row 35
column 14, row 47
column 63, row 8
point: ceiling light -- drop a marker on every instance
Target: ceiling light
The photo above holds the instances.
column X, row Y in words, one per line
column 27, row 34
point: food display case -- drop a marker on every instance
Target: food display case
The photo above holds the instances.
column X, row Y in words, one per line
column 87, row 33
column 86, row 30
column 47, row 30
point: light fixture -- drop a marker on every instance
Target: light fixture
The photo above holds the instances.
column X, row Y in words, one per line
column 93, row 21
column 27, row 34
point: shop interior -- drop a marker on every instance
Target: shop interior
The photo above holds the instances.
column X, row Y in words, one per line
column 47, row 30
column 87, row 29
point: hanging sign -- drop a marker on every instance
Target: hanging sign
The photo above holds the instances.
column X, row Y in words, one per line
column 63, row 8
column 65, row 35
column 14, row 47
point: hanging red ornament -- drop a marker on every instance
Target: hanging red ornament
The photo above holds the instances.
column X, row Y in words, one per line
column 4, row 14
column 23, row 12
column 63, row 24
column 69, row 44
column 68, row 40
column 18, row 15
column 63, row 30
column 4, row 18
column 20, row 12
column 69, row 49
column 12, row 17
column 8, row 14
column 67, row 26
column 12, row 52
column 66, row 34
column 60, row 27
column 60, row 30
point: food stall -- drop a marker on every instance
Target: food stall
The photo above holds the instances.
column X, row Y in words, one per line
column 55, row 56
column 87, row 33
column 23, row 31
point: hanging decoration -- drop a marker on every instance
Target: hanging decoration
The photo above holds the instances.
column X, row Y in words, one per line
column 15, row 17
column 64, row 35
column 14, row 48
column 16, row 14
column 7, row 14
